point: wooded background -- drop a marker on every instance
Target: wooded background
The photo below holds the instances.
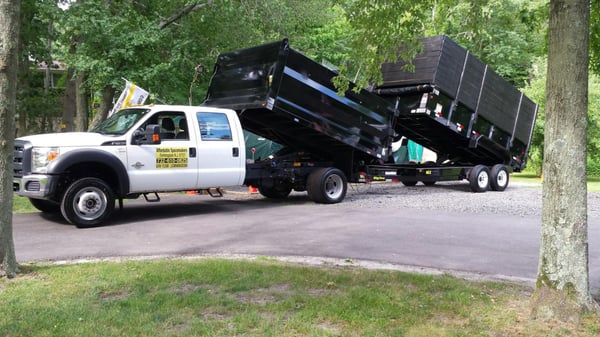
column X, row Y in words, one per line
column 91, row 46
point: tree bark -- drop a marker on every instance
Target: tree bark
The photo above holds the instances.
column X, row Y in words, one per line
column 69, row 102
column 82, row 105
column 562, row 289
column 105, row 105
column 9, row 42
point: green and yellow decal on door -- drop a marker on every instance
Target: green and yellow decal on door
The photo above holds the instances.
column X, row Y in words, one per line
column 171, row 157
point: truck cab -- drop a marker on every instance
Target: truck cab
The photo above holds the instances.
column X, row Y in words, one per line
column 136, row 151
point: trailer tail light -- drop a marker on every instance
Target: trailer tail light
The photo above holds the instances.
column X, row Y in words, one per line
column 459, row 127
column 438, row 110
column 424, row 99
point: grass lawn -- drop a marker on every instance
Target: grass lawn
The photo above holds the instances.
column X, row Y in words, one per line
column 262, row 297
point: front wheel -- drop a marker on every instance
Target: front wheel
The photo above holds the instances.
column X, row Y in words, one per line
column 87, row 202
column 327, row 185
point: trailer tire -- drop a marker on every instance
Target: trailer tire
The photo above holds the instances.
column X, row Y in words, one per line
column 45, row 206
column 408, row 183
column 479, row 178
column 327, row 185
column 88, row 202
column 275, row 192
column 500, row 178
column 429, row 182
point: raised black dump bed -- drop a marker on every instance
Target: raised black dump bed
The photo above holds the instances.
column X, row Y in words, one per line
column 286, row 97
column 457, row 106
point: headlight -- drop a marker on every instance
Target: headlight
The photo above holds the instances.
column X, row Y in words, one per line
column 41, row 157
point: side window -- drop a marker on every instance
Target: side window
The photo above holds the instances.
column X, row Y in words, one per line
column 172, row 125
column 214, row 126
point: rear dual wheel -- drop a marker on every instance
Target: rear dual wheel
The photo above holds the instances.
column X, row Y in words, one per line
column 327, row 185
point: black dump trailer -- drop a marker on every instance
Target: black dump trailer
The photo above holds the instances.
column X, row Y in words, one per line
column 457, row 106
column 329, row 139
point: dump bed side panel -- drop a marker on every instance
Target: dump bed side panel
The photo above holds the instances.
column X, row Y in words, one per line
column 241, row 78
column 284, row 96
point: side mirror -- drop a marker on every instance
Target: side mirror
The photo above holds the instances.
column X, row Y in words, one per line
column 150, row 136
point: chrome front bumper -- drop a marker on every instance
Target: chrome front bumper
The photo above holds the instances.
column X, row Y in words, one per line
column 38, row 186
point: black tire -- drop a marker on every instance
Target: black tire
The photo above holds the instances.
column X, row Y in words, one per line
column 275, row 192
column 429, row 183
column 479, row 179
column 45, row 206
column 499, row 178
column 327, row 185
column 88, row 202
column 409, row 183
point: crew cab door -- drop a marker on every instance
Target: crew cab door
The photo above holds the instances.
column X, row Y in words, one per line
column 221, row 152
column 171, row 165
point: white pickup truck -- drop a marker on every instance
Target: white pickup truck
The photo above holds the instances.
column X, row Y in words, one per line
column 156, row 148
column 137, row 151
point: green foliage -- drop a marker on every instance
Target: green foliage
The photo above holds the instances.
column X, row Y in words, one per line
column 595, row 36
column 381, row 26
column 124, row 39
column 536, row 90
column 507, row 35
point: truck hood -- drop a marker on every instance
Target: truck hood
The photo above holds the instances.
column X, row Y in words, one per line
column 67, row 139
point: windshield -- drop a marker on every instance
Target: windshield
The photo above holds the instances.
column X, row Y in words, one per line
column 120, row 122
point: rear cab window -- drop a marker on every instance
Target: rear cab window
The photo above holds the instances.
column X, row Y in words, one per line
column 214, row 126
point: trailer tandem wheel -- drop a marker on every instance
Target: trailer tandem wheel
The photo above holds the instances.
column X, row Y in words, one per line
column 327, row 185
column 479, row 178
column 499, row 175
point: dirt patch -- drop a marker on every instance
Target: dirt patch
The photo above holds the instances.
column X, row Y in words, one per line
column 185, row 289
column 113, row 296
column 264, row 296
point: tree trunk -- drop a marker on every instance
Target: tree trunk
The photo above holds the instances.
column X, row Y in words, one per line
column 69, row 102
column 108, row 94
column 562, row 289
column 81, row 101
column 9, row 42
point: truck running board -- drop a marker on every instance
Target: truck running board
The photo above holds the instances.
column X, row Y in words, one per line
column 156, row 197
column 214, row 192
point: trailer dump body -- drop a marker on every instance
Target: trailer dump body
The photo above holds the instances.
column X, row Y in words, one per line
column 286, row 97
column 457, row 106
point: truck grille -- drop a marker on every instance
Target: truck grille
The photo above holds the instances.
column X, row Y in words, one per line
column 21, row 158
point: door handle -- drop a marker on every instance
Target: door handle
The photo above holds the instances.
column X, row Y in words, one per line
column 192, row 152
column 235, row 152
